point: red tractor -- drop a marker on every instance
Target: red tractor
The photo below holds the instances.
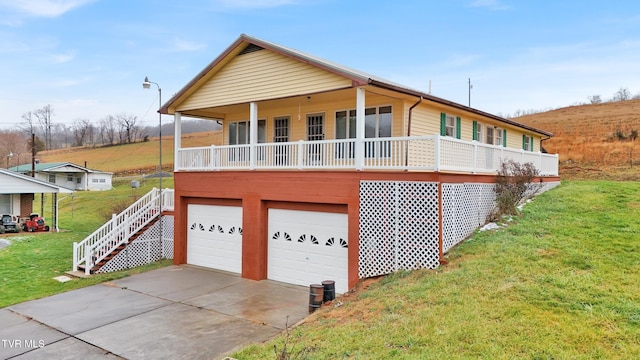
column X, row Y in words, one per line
column 35, row 223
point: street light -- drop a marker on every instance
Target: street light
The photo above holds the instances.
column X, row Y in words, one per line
column 146, row 84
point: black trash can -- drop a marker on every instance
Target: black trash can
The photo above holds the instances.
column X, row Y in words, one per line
column 316, row 296
column 329, row 290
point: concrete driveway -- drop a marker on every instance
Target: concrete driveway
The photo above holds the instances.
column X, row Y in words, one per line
column 178, row 312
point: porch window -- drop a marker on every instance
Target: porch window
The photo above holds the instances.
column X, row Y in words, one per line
column 378, row 122
column 345, row 129
column 52, row 178
column 70, row 177
column 240, row 134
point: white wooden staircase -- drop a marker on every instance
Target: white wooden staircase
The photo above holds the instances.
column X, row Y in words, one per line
column 111, row 238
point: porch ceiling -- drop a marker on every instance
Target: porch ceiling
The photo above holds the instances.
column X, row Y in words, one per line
column 221, row 112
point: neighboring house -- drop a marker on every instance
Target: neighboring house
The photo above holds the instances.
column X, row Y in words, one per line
column 328, row 173
column 69, row 175
column 17, row 190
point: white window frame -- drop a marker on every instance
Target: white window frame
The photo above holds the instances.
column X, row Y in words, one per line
column 52, row 178
column 450, row 125
column 528, row 143
column 493, row 135
column 262, row 132
column 479, row 132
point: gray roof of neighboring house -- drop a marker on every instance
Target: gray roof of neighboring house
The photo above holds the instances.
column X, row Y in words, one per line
column 51, row 167
column 12, row 177
column 359, row 78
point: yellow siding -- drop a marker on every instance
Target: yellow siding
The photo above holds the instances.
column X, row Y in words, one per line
column 262, row 75
column 424, row 121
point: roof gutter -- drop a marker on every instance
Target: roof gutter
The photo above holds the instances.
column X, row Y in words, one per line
column 455, row 105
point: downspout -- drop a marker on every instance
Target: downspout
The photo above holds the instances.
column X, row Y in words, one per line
column 541, row 140
column 406, row 151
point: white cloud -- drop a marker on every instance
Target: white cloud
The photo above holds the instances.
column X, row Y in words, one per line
column 253, row 4
column 43, row 8
column 490, row 4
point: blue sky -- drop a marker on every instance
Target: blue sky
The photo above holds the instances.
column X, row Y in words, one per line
column 88, row 58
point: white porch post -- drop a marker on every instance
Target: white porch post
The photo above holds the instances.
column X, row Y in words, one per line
column 253, row 136
column 360, row 126
column 177, row 139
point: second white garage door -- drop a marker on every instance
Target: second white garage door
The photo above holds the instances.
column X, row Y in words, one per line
column 214, row 237
column 308, row 247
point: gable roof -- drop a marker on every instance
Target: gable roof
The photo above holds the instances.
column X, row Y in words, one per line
column 52, row 167
column 14, row 183
column 358, row 78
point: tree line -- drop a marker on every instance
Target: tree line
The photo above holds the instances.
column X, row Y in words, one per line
column 118, row 129
column 110, row 130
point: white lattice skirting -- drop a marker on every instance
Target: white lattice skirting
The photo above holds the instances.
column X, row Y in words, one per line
column 399, row 222
column 145, row 249
column 399, row 227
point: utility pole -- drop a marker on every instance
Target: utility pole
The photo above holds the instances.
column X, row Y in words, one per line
column 33, row 155
column 470, row 87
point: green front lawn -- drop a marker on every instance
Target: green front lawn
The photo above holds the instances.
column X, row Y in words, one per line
column 560, row 282
column 29, row 264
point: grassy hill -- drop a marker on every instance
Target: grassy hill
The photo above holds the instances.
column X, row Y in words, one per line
column 593, row 140
column 127, row 159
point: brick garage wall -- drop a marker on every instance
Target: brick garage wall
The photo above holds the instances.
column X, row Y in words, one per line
column 26, row 204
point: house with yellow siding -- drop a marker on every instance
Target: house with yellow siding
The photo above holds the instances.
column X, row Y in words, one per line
column 329, row 173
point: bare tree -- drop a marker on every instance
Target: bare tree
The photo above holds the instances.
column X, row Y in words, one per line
column 44, row 116
column 108, row 130
column 595, row 99
column 128, row 128
column 81, row 131
column 622, row 95
column 28, row 127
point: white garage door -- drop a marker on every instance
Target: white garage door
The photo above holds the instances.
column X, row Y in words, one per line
column 308, row 247
column 214, row 237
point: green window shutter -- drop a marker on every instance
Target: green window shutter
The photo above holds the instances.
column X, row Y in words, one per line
column 475, row 130
column 532, row 144
column 458, row 127
column 504, row 137
column 443, row 124
column 524, row 142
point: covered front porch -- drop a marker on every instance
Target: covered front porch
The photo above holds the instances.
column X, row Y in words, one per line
column 418, row 153
column 361, row 128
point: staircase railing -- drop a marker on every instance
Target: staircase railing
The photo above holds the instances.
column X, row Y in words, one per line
column 117, row 231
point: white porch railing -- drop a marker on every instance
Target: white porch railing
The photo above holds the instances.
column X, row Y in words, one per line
column 426, row 153
column 120, row 228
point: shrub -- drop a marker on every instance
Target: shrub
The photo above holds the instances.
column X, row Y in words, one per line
column 514, row 185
